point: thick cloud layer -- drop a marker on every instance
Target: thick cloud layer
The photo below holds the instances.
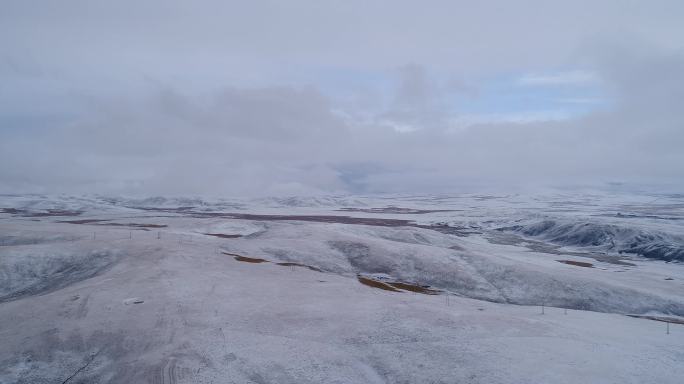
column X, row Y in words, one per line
column 302, row 98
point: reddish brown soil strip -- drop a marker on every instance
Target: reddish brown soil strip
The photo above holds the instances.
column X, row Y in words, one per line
column 414, row 288
column 256, row 261
column 245, row 258
column 673, row 320
column 223, row 235
column 394, row 210
column 576, row 263
column 299, row 265
column 249, row 259
column 102, row 222
column 46, row 213
column 83, row 221
column 55, row 212
column 325, row 219
column 376, row 284
column 380, row 222
column 169, row 210
column 136, row 225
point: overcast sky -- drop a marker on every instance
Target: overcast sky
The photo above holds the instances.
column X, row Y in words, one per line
column 307, row 97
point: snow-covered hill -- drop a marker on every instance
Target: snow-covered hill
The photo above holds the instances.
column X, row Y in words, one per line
column 353, row 289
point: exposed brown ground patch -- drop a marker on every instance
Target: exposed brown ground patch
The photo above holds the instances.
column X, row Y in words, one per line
column 380, row 222
column 325, row 219
column 136, row 225
column 396, row 286
column 82, row 221
column 394, row 210
column 257, row 260
column 45, row 213
column 414, row 288
column 376, row 284
column 288, row 264
column 249, row 259
column 223, row 235
column 105, row 222
column 576, row 263
column 245, row 258
column 55, row 212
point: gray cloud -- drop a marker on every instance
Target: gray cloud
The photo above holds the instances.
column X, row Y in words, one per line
column 143, row 98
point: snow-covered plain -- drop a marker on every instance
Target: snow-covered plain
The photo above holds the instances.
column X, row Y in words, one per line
column 518, row 289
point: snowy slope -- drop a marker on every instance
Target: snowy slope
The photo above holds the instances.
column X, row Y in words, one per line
column 176, row 290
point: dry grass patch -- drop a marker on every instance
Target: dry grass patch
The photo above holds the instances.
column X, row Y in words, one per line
column 106, row 222
column 136, row 225
column 245, row 258
column 376, row 284
column 223, row 235
column 83, row 221
column 414, row 288
column 397, row 286
column 249, row 259
column 576, row 263
column 288, row 264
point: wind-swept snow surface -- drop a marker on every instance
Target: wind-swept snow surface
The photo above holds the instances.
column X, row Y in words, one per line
column 402, row 289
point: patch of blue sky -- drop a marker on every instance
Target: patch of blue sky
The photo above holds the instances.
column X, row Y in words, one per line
column 504, row 95
column 496, row 95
